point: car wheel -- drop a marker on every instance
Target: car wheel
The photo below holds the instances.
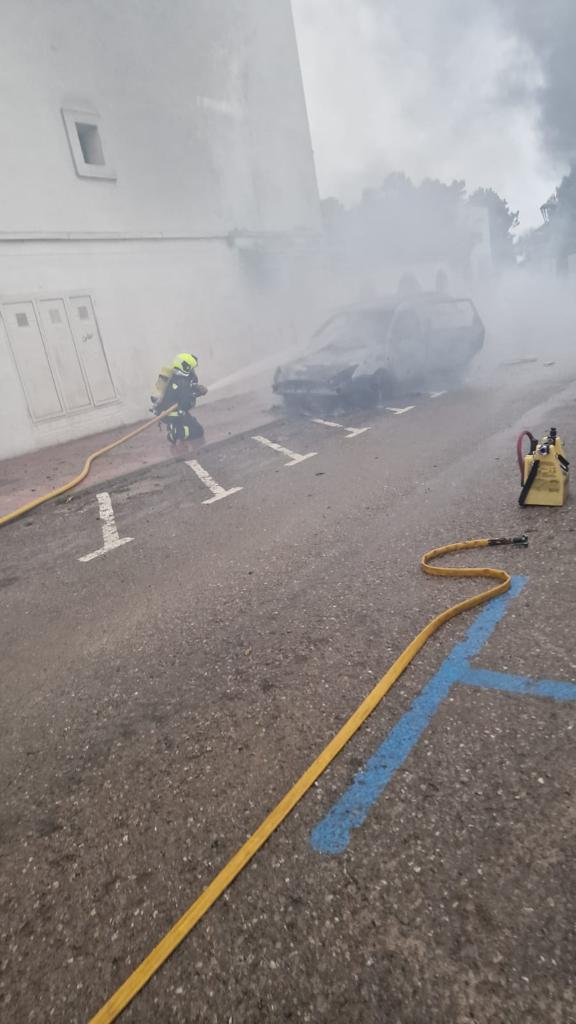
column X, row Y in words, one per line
column 295, row 405
column 362, row 393
column 325, row 406
column 384, row 386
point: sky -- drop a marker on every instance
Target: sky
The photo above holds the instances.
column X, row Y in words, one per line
column 481, row 90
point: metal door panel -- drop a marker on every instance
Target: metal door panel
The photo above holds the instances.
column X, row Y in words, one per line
column 90, row 349
column 63, row 354
column 31, row 360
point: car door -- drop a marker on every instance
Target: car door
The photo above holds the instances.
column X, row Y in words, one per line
column 454, row 333
column 409, row 356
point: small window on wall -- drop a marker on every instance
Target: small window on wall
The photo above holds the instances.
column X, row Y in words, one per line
column 90, row 144
column 84, row 133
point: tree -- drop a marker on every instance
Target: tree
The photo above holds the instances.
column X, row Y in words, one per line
column 555, row 240
column 332, row 212
column 502, row 222
column 406, row 224
column 563, row 219
column 403, row 223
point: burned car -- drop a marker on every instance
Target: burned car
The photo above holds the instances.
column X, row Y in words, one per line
column 369, row 353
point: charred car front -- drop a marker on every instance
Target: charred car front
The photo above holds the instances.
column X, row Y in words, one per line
column 366, row 354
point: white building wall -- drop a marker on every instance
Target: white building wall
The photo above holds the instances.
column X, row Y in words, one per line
column 202, row 116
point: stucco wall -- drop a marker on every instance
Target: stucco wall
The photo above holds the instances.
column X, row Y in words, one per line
column 202, row 117
column 152, row 300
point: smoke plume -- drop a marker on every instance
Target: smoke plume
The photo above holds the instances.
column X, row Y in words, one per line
column 442, row 88
column 549, row 28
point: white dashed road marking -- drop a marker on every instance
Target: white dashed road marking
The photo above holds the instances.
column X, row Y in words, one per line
column 436, row 394
column 398, row 412
column 293, row 456
column 350, row 431
column 110, row 536
column 217, row 491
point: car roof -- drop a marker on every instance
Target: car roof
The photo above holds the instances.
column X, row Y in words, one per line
column 390, row 303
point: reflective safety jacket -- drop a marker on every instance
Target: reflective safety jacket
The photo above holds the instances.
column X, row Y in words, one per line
column 177, row 387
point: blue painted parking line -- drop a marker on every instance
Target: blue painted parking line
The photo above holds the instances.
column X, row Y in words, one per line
column 552, row 689
column 332, row 834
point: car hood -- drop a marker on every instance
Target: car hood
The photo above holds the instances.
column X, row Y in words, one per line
column 322, row 365
column 322, row 372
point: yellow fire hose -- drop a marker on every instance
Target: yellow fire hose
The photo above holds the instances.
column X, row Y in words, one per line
column 11, row 516
column 144, row 972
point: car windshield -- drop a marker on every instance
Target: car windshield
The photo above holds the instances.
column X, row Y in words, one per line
column 347, row 331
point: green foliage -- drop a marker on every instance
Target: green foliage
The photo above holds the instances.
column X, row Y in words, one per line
column 400, row 222
column 563, row 218
column 555, row 240
column 502, row 222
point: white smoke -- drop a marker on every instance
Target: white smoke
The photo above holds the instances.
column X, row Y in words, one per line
column 438, row 88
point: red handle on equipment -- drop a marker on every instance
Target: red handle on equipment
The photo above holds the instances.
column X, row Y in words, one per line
column 519, row 455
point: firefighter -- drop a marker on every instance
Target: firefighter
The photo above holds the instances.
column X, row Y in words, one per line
column 178, row 384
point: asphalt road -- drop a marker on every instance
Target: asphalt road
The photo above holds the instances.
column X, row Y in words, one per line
column 156, row 701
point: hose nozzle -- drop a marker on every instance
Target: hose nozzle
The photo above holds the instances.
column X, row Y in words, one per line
column 521, row 541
